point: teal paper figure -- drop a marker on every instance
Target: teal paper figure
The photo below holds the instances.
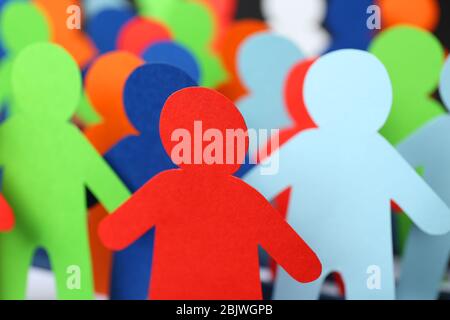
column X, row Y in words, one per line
column 343, row 176
column 264, row 62
column 426, row 257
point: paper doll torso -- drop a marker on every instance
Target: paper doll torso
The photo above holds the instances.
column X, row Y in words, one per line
column 206, row 244
column 340, row 200
column 42, row 178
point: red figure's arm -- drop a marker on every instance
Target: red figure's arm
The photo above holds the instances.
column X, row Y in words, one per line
column 284, row 245
column 138, row 215
column 6, row 215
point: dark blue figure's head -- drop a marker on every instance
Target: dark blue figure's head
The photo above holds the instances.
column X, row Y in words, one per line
column 346, row 20
column 2, row 50
column 147, row 90
column 105, row 26
column 173, row 54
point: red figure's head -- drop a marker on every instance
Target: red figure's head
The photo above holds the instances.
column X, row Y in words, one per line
column 294, row 95
column 203, row 130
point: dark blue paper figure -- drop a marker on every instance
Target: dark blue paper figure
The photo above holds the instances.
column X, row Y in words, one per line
column 346, row 21
column 246, row 167
column 93, row 7
column 175, row 55
column 2, row 50
column 136, row 159
column 104, row 27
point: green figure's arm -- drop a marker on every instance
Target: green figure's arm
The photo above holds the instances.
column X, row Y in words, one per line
column 4, row 137
column 86, row 111
column 100, row 178
column 3, row 83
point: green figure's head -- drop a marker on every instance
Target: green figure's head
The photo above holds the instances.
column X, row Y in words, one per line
column 22, row 24
column 413, row 58
column 46, row 82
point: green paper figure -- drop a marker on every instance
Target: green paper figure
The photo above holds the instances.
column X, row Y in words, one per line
column 86, row 112
column 193, row 25
column 414, row 59
column 158, row 9
column 21, row 24
column 47, row 165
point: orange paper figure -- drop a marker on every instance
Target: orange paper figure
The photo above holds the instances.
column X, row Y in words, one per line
column 233, row 38
column 140, row 33
column 75, row 41
column 105, row 81
column 208, row 223
column 420, row 13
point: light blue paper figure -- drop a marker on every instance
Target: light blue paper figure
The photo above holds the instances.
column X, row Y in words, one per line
column 264, row 61
column 426, row 257
column 93, row 7
column 344, row 175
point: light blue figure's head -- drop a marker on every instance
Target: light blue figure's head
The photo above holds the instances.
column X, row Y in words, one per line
column 265, row 59
column 94, row 7
column 444, row 87
column 348, row 89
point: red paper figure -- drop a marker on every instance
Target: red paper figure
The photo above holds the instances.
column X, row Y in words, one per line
column 6, row 215
column 208, row 223
column 139, row 33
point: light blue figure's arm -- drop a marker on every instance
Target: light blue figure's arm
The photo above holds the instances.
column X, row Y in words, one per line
column 416, row 197
column 414, row 148
column 270, row 183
